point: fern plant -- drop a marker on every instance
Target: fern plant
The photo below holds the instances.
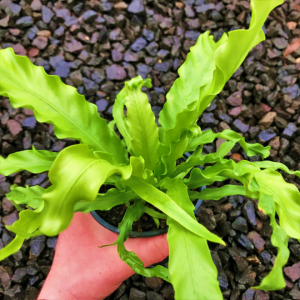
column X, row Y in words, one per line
column 142, row 166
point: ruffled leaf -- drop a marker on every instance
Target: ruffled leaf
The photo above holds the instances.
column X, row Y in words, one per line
column 209, row 136
column 34, row 161
column 54, row 102
column 197, row 159
column 140, row 122
column 24, row 228
column 275, row 166
column 275, row 279
column 31, row 196
column 275, row 195
column 191, row 267
column 76, row 175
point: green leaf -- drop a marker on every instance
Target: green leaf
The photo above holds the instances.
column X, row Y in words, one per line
column 153, row 213
column 240, row 42
column 31, row 196
column 120, row 119
column 138, row 128
column 211, row 64
column 76, row 175
column 197, row 159
column 218, row 193
column 274, row 194
column 191, row 267
column 57, row 103
column 180, row 110
column 24, row 229
column 275, row 166
column 34, row 161
column 286, row 197
column 13, row 247
column 197, row 180
column 169, row 156
column 209, row 136
column 133, row 213
column 275, row 279
column 163, row 202
column 105, row 201
column 88, row 172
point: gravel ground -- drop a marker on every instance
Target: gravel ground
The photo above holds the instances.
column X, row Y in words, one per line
column 96, row 46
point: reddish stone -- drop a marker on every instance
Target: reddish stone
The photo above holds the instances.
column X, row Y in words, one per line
column 260, row 295
column 257, row 240
column 20, row 118
column 275, row 143
column 45, row 33
column 7, row 206
column 260, row 110
column 219, row 142
column 4, row 22
column 267, row 120
column 14, row 31
column 40, row 42
column 235, row 99
column 235, row 111
column 28, row 112
column 5, row 274
column 14, row 127
column 19, row 49
column 293, row 272
column 11, row 219
column 18, row 179
column 236, row 157
column 33, row 52
column 73, row 46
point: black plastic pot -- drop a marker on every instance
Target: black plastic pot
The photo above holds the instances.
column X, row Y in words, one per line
column 147, row 233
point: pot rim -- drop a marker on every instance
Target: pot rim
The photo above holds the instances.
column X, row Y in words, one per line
column 133, row 234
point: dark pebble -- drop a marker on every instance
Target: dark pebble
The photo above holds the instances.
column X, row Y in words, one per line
column 90, row 86
column 101, row 104
column 47, row 14
column 15, row 293
column 266, row 135
column 115, row 72
column 162, row 67
column 208, row 119
column 89, row 16
column 139, row 44
column 29, row 122
column 136, row 294
column 249, row 213
column 20, row 275
column 206, row 218
column 240, row 224
column 37, row 245
column 240, row 126
column 24, row 22
column 62, row 69
column 289, row 131
column 4, row 188
column 136, row 7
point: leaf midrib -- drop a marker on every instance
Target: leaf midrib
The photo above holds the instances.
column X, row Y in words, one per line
column 67, row 191
column 144, row 137
column 53, row 107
